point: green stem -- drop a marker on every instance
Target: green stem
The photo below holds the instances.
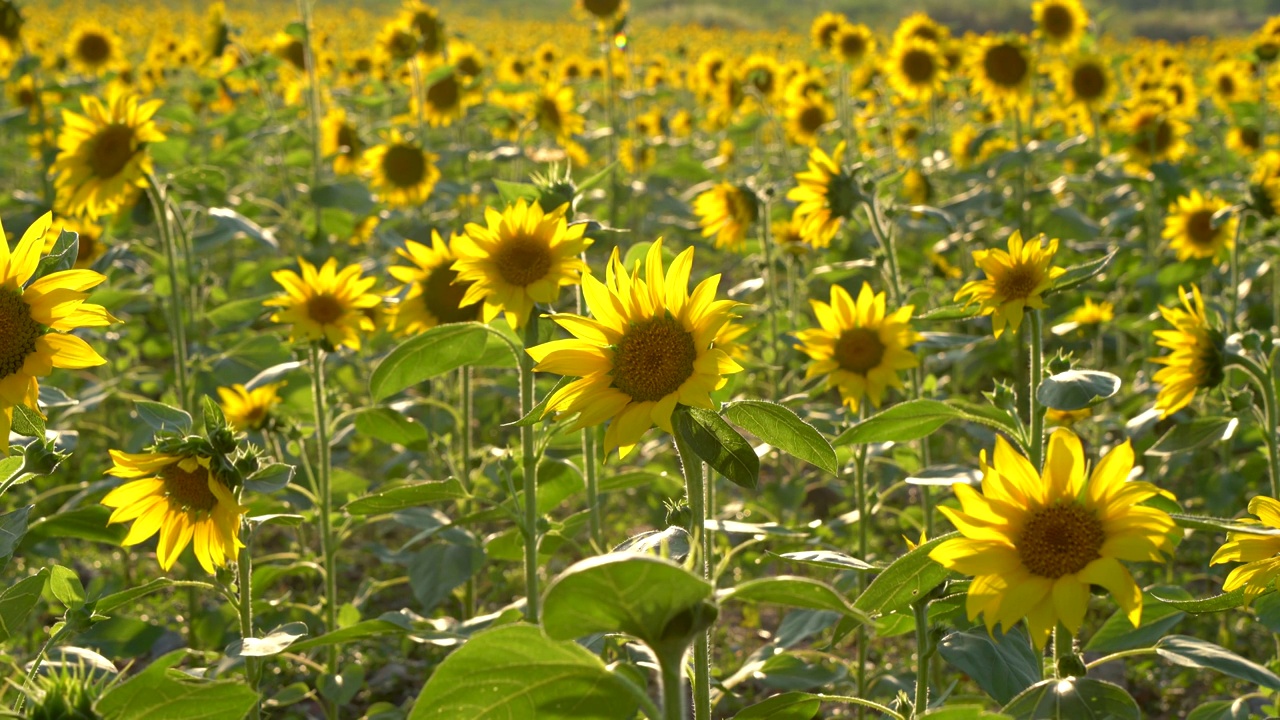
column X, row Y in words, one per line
column 923, row 653
column 674, row 704
column 1022, row 172
column 529, row 465
column 244, row 570
column 1241, row 218
column 610, row 106
column 771, row 286
column 1263, row 379
column 325, row 493
column 464, row 469
column 36, row 663
column 593, row 486
column 313, row 107
column 695, row 489
column 1035, row 344
column 861, row 704
column 177, row 311
column 864, row 548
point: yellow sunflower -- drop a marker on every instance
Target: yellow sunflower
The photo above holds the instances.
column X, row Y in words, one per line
column 603, row 9
column 92, row 48
column 1059, row 23
column 1196, row 358
column 103, row 153
column 1231, row 81
column 860, row 347
column 447, row 95
column 523, row 257
column 1085, row 80
column 340, row 140
column 1190, row 231
column 1259, row 553
column 806, row 116
column 1001, row 69
column 431, row 293
column 184, row 500
column 396, row 43
column 916, row 69
column 553, row 108
column 826, row 197
column 648, row 346
column 401, row 172
column 425, row 22
column 1015, row 280
column 726, row 212
column 854, row 43
column 36, row 320
column 1035, row 542
column 1245, row 140
column 325, row 304
column 824, row 29
column 1091, row 313
column 249, row 409
column 1264, row 184
column 1155, row 135
column 919, row 26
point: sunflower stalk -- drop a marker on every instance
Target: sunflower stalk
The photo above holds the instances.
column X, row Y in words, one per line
column 1035, row 342
column 313, row 107
column 1234, row 292
column 695, row 490
column 325, row 492
column 244, row 586
column 771, row 287
column 923, row 654
column 529, row 466
column 1263, row 378
column 177, row 310
column 464, row 470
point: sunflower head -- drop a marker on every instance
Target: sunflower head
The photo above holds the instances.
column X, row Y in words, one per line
column 426, row 24
column 916, row 68
column 1155, row 134
column 1264, row 184
column 726, row 212
column 859, row 345
column 1002, row 68
column 1060, row 23
column 824, row 29
column 1197, row 356
column 432, row 294
column 92, row 48
column 1036, row 542
column 1192, row 231
column 854, row 43
column 649, row 345
column 1259, row 553
column 826, row 195
column 603, row 9
column 11, row 22
column 1087, row 80
column 325, row 305
column 1015, row 280
column 102, row 155
column 249, row 409
column 403, row 174
column 1091, row 313
column 340, row 141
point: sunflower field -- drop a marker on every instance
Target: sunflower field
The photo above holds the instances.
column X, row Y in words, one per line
column 392, row 362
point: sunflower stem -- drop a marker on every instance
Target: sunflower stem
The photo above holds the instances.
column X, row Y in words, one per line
column 177, row 329
column 611, row 112
column 1234, row 294
column 529, row 465
column 324, row 491
column 589, row 454
column 864, row 541
column 464, row 469
column 37, row 662
column 771, row 286
column 923, row 652
column 674, row 705
column 1035, row 342
column 695, row 490
column 1263, row 378
column 244, row 582
column 313, row 108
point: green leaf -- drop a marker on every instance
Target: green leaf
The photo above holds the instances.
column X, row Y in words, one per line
column 160, row 417
column 13, row 526
column 1212, row 524
column 905, row 421
column 963, row 712
column 269, row 479
column 828, row 559
column 1074, row 699
column 1079, row 274
column 391, row 623
column 352, row 196
column 436, row 570
column 1195, row 434
column 236, row 312
column 1217, row 603
column 154, row 695
column 949, row 312
column 510, row 192
column 341, row 687
column 61, row 257
column 787, row 706
column 1222, row 710
column 65, row 585
column 641, row 595
column 975, row 653
column 391, row 427
column 273, row 643
column 535, row 415
column 906, row 580
column 230, row 224
column 792, row 591
column 17, row 601
column 1267, row 610
column 406, row 496
column 1194, row 652
column 86, row 523
column 517, row 672
column 719, row 445
column 783, row 429
column 434, row 352
column 107, row 603
column 1077, row 389
column 27, row 422
column 1158, row 618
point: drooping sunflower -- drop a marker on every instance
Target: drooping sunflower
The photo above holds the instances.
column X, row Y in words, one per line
column 1085, row 80
column 726, row 212
column 916, row 69
column 92, row 48
column 806, row 116
column 648, row 346
column 431, row 293
column 1259, row 553
column 1190, row 230
column 249, row 409
column 603, row 9
column 1015, row 280
column 1197, row 356
column 340, row 140
column 36, row 320
column 860, row 347
column 826, row 194
column 522, row 257
column 182, row 498
column 103, row 153
column 325, row 305
column 1060, row 23
column 1001, row 69
column 401, row 172
column 1036, row 541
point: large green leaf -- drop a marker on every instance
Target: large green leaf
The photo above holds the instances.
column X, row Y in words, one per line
column 273, row 643
column 13, row 526
column 391, row 427
column 406, row 496
column 1079, row 274
column 906, row 580
column 784, row 430
column 434, row 352
column 787, row 706
column 905, row 421
column 1222, row 710
column 719, row 445
column 792, row 591
column 85, row 523
column 1217, row 603
column 1194, row 652
column 155, row 695
column 1077, row 389
column 516, row 671
column 17, row 601
column 975, row 653
column 1158, row 618
column 1074, row 699
column 1195, row 434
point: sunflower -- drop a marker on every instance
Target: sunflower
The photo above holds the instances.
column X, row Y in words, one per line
column 1244, row 140
column 806, row 116
column 249, row 409
column 1036, row 542
column 1066, row 418
column 826, row 195
column 1190, row 230
column 787, row 235
column 90, row 246
column 1002, row 69
column 552, row 107
column 1259, row 553
column 35, row 320
column 425, row 22
column 726, row 211
column 11, row 22
column 466, row 60
column 916, row 69
column 523, row 257
column 919, row 26
column 1264, row 184
column 636, row 156
column 92, row 48
column 103, row 153
column 1266, row 42
column 603, row 9
column 1230, row 82
column 340, row 140
column 906, row 138
column 1085, row 80
column 325, row 304
column 397, row 42
column 431, row 294
column 648, row 347
column 859, row 346
column 1155, row 135
column 403, row 174
column 1059, row 23
column 1093, row 314
column 447, row 96
column 1196, row 358
column 761, row 73
column 854, row 43
column 183, row 499
column 1015, row 280
column 824, row 29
